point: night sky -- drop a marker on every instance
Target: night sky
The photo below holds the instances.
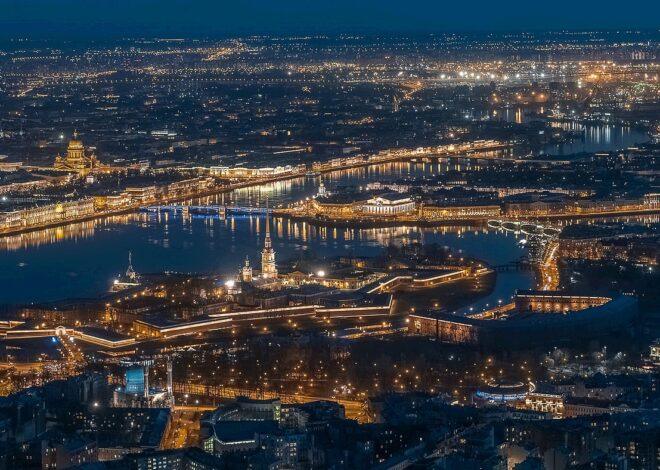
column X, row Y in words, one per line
column 87, row 18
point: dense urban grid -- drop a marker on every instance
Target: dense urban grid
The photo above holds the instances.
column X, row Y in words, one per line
column 345, row 251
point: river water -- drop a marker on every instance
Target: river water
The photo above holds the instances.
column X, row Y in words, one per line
column 81, row 260
column 595, row 137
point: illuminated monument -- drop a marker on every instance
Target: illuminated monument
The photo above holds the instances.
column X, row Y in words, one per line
column 268, row 267
column 268, row 277
column 76, row 159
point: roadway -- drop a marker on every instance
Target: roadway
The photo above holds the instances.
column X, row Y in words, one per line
column 549, row 267
column 184, row 428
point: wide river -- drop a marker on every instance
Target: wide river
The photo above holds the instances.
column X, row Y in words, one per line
column 81, row 260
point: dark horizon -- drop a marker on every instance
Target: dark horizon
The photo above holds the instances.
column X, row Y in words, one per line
column 75, row 19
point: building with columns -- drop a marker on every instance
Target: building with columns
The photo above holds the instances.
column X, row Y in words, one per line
column 76, row 158
column 389, row 204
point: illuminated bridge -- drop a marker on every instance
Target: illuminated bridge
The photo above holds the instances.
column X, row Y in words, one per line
column 526, row 228
column 208, row 209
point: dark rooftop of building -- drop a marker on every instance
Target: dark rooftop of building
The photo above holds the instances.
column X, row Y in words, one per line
column 234, row 431
column 102, row 333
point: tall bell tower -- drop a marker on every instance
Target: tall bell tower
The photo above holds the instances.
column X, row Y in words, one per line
column 268, row 267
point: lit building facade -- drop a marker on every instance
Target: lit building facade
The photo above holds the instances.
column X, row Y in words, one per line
column 459, row 212
column 555, row 302
column 47, row 214
column 654, row 354
column 76, row 158
column 388, row 205
column 545, row 403
column 652, row 201
column 550, row 320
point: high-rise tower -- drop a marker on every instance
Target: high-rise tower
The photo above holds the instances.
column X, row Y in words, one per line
column 268, row 267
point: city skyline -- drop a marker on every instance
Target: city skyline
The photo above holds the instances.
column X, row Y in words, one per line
column 230, row 240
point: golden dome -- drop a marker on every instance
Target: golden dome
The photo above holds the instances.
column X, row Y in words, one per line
column 75, row 144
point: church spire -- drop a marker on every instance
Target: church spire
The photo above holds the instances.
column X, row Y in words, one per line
column 268, row 266
column 267, row 242
column 130, row 272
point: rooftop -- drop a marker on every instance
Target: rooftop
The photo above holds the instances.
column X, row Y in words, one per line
column 237, row 431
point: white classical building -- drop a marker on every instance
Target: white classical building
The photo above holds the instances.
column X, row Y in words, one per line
column 389, row 204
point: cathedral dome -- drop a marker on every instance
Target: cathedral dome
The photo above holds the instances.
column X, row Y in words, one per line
column 75, row 144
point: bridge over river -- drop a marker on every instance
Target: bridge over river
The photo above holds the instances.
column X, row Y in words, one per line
column 222, row 210
column 527, row 228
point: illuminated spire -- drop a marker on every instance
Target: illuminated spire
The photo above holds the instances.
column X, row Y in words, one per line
column 130, row 272
column 267, row 241
column 268, row 266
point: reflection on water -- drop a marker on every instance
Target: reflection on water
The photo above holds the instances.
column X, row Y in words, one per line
column 647, row 220
column 505, row 287
column 84, row 260
column 283, row 192
column 597, row 138
column 81, row 259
